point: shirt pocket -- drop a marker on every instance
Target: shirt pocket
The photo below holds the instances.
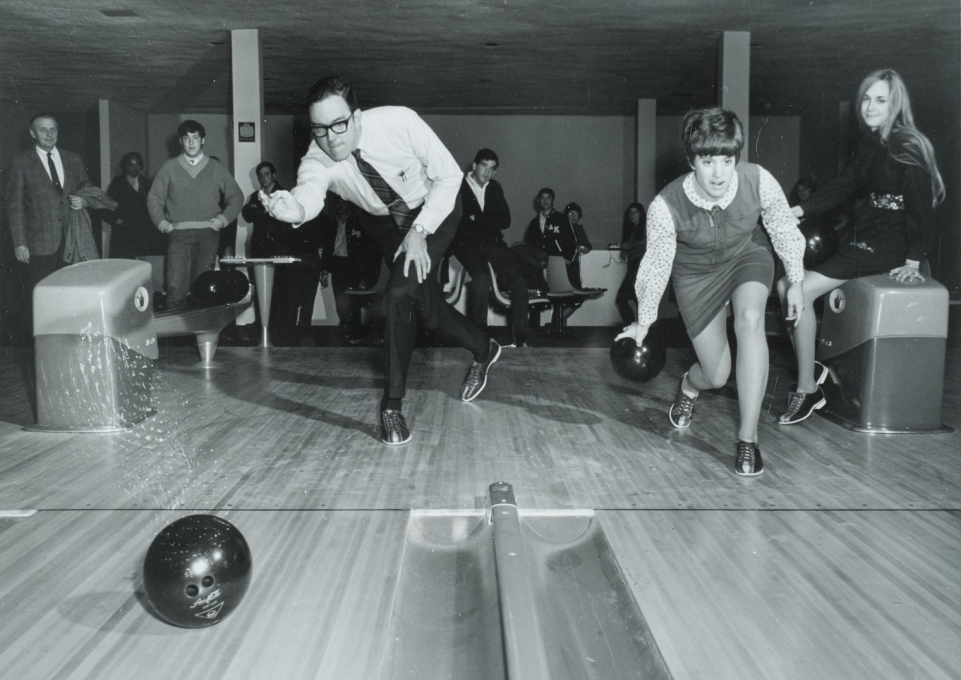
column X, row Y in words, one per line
column 409, row 174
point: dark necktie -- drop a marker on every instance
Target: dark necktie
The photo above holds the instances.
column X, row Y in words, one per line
column 53, row 172
column 396, row 206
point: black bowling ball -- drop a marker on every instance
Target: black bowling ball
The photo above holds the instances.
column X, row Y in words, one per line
column 821, row 241
column 219, row 287
column 638, row 364
column 197, row 571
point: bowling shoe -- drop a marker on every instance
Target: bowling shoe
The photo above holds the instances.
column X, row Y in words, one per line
column 477, row 374
column 800, row 406
column 821, row 373
column 395, row 427
column 682, row 410
column 748, row 462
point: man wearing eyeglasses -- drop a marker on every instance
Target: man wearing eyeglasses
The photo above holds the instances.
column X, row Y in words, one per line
column 391, row 165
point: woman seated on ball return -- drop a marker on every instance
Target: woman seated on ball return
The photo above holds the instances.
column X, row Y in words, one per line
column 896, row 175
column 704, row 226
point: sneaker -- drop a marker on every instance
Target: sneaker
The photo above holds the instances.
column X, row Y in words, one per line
column 682, row 410
column 395, row 427
column 477, row 375
column 748, row 461
column 800, row 406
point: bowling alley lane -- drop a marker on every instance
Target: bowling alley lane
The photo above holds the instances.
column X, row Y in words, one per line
column 296, row 429
column 318, row 605
column 840, row 562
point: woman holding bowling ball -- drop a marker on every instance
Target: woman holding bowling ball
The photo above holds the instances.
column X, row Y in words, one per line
column 895, row 177
column 702, row 231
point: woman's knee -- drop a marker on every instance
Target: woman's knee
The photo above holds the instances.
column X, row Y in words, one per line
column 749, row 322
column 717, row 376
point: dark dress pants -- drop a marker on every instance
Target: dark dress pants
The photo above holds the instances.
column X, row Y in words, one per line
column 42, row 266
column 574, row 272
column 355, row 271
column 300, row 281
column 39, row 268
column 344, row 276
column 475, row 256
column 409, row 303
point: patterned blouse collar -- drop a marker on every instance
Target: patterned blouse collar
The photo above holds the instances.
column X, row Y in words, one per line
column 691, row 192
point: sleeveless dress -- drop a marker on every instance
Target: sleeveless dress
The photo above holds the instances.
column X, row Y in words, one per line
column 717, row 250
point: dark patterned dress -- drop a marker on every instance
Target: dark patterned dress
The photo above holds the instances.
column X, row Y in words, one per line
column 894, row 216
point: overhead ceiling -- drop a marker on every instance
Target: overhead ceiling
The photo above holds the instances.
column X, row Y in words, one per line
column 585, row 57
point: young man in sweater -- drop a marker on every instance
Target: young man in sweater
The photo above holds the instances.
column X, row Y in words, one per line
column 185, row 203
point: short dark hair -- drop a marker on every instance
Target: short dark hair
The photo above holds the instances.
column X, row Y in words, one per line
column 189, row 126
column 129, row 156
column 546, row 190
column 332, row 86
column 42, row 114
column 573, row 207
column 266, row 164
column 486, row 155
column 712, row 132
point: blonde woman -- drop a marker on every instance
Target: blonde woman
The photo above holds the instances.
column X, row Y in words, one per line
column 895, row 174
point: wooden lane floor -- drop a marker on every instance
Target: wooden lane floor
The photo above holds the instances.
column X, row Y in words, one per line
column 73, row 602
column 727, row 594
column 839, row 562
column 297, row 429
column 797, row 594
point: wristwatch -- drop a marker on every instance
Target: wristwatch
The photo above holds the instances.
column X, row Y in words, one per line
column 419, row 228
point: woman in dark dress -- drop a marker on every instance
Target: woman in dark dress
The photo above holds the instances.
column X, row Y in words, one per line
column 895, row 175
column 703, row 232
column 633, row 245
column 133, row 234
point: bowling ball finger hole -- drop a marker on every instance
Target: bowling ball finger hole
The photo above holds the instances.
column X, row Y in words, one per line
column 192, row 590
column 207, row 581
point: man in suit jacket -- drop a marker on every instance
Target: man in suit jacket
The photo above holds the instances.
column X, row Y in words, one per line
column 40, row 195
column 480, row 240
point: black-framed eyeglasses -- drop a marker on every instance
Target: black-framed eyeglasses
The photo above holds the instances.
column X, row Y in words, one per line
column 321, row 131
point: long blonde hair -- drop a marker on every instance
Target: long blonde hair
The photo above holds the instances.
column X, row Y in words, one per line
column 905, row 143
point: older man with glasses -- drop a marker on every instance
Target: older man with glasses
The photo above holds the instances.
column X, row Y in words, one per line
column 391, row 165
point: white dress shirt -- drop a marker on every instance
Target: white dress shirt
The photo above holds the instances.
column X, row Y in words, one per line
column 56, row 162
column 479, row 191
column 406, row 153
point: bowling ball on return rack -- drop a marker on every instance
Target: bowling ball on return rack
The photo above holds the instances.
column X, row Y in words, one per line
column 197, row 571
column 821, row 240
column 219, row 287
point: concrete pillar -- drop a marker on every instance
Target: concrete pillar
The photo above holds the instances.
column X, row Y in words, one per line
column 247, row 66
column 646, row 139
column 105, row 166
column 734, row 80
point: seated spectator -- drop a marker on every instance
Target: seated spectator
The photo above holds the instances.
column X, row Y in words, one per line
column 574, row 212
column 633, row 247
column 551, row 232
column 480, row 241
